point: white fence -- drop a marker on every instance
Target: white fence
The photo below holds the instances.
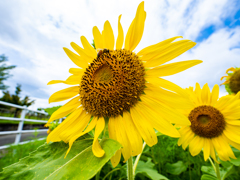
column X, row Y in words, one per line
column 21, row 122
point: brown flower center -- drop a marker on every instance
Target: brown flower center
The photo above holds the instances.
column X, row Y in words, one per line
column 234, row 83
column 112, row 83
column 207, row 121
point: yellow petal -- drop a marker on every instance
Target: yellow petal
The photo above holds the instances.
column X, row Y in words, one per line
column 74, row 130
column 143, row 127
column 71, row 80
column 132, row 134
column 122, row 138
column 172, row 68
column 165, row 54
column 169, row 98
column 64, row 94
column 76, row 71
column 232, row 132
column 97, row 149
column 76, row 58
column 135, row 31
column 81, row 52
column 231, row 69
column 91, row 125
column 212, row 151
column 88, row 48
column 232, row 143
column 155, row 118
column 65, row 109
column 98, row 39
column 112, row 134
column 196, row 145
column 186, row 137
column 108, row 36
column 68, row 122
column 214, row 95
column 166, row 112
column 206, row 149
column 120, row 37
column 205, row 95
column 116, row 158
column 154, row 47
column 166, row 85
column 223, row 148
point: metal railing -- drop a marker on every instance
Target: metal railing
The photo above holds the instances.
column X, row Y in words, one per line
column 21, row 120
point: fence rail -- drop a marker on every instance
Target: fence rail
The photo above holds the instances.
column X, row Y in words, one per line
column 21, row 122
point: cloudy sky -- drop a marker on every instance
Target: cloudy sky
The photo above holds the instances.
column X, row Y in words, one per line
column 32, row 34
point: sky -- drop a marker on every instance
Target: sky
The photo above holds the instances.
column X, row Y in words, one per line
column 33, row 34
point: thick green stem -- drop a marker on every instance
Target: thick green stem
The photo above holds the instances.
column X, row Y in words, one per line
column 130, row 175
column 217, row 171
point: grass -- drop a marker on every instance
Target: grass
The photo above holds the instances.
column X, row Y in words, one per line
column 14, row 153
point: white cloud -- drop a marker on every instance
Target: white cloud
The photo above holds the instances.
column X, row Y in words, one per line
column 34, row 32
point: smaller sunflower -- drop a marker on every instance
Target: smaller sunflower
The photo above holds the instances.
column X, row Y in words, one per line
column 232, row 83
column 214, row 123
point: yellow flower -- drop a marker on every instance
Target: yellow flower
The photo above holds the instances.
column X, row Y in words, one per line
column 232, row 83
column 214, row 123
column 121, row 88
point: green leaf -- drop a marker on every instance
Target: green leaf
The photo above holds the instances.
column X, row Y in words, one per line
column 146, row 169
column 236, row 162
column 229, row 171
column 176, row 168
column 208, row 177
column 209, row 170
column 48, row 162
column 224, row 172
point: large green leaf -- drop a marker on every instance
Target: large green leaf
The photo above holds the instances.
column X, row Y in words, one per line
column 48, row 162
column 208, row 177
column 224, row 172
column 176, row 168
column 146, row 169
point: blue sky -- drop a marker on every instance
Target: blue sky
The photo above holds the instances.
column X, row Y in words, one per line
column 32, row 34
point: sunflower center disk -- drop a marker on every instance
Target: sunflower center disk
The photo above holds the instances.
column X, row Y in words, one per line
column 207, row 121
column 112, row 83
column 234, row 83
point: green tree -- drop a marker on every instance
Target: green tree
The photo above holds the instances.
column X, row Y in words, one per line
column 16, row 99
column 4, row 71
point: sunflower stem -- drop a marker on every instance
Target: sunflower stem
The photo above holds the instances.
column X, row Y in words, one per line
column 217, row 171
column 130, row 175
column 212, row 164
column 137, row 159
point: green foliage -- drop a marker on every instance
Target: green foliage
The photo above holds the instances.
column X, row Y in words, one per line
column 93, row 44
column 4, row 71
column 48, row 162
column 176, row 168
column 15, row 152
column 147, row 169
column 51, row 110
column 15, row 98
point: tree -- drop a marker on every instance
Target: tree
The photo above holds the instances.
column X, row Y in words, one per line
column 15, row 99
column 4, row 71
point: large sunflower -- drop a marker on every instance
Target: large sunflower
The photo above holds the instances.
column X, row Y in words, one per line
column 232, row 81
column 121, row 88
column 214, row 123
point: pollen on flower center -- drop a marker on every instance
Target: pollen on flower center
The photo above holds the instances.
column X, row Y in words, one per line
column 234, row 83
column 103, row 74
column 112, row 83
column 207, row 121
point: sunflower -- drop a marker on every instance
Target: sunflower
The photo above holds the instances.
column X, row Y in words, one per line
column 121, row 89
column 232, row 83
column 214, row 123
